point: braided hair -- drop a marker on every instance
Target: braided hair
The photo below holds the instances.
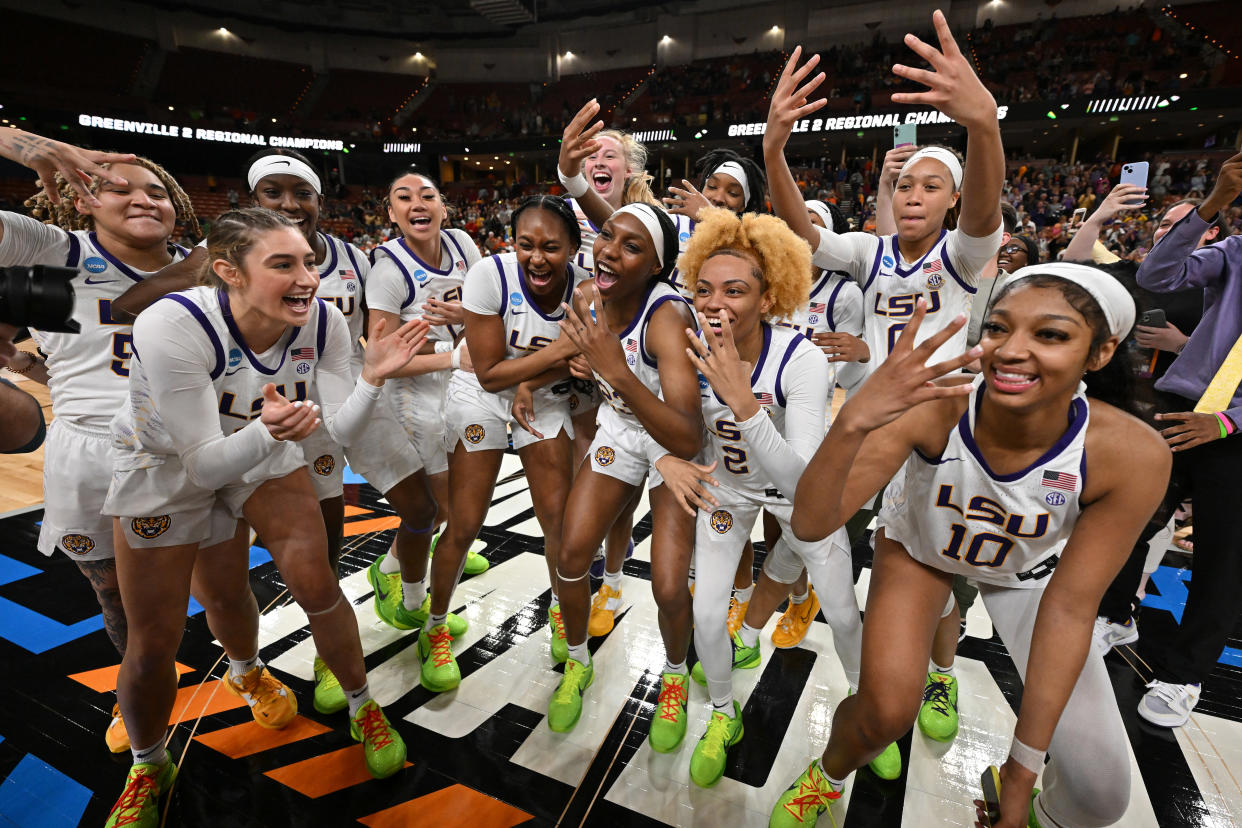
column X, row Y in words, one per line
column 552, row 204
column 757, row 182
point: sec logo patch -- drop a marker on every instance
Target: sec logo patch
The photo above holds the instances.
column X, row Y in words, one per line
column 150, row 527
column 475, row 433
column 935, row 281
column 721, row 521
column 1054, row 499
column 604, row 455
column 324, row 465
column 77, row 544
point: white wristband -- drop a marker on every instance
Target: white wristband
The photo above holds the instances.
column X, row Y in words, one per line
column 443, row 346
column 455, row 359
column 1027, row 756
column 576, row 186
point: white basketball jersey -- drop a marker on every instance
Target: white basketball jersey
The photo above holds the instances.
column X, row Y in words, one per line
column 527, row 327
column 424, row 281
column 237, row 373
column 769, row 383
column 89, row 371
column 955, row 514
column 892, row 289
column 835, row 306
column 634, row 342
column 342, row 281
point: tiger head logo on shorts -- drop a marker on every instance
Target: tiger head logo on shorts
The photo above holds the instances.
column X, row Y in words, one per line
column 150, row 527
column 77, row 544
column 721, row 521
column 324, row 464
column 604, row 455
column 475, row 433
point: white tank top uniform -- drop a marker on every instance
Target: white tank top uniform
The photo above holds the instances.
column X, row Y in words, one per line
column 384, row 454
column 189, row 442
column 89, row 381
column 400, row 283
column 622, row 447
column 835, row 306
column 955, row 514
column 480, row 419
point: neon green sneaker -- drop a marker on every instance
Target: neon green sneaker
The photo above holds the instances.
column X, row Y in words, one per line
column 387, row 591
column 809, row 796
column 707, row 764
column 383, row 746
column 566, row 704
column 744, row 658
column 139, row 804
column 938, row 714
column 560, row 647
column 991, row 784
column 439, row 672
column 329, row 697
column 668, row 727
column 475, row 563
column 888, row 764
column 415, row 619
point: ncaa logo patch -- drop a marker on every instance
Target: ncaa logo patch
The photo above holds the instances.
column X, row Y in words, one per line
column 150, row 527
column 934, row 281
column 888, row 261
column 474, row 433
column 420, row 275
column 235, row 358
column 604, row 455
column 77, row 544
column 721, row 521
column 1054, row 499
column 515, row 299
column 683, row 236
column 94, row 264
column 324, row 465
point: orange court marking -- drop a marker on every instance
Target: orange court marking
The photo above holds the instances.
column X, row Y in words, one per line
column 246, row 739
column 453, row 807
column 103, row 679
column 325, row 774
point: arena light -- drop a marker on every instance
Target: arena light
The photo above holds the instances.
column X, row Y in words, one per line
column 223, row 32
column 1183, row 76
column 666, row 39
column 569, row 55
column 774, row 29
column 418, row 55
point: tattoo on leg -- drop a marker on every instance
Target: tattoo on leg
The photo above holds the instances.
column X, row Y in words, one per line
column 102, row 576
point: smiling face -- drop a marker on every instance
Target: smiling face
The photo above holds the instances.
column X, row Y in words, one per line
column 923, row 196
column 277, row 277
column 415, row 206
column 1012, row 256
column 292, row 197
column 543, row 248
column 1037, row 346
column 607, row 170
column 728, row 284
column 625, row 256
column 138, row 215
column 723, row 190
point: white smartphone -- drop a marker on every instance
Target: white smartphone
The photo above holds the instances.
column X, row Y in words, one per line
column 1135, row 173
column 904, row 134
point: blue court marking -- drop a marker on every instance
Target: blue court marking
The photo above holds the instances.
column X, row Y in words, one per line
column 350, row 476
column 31, row 630
column 258, row 557
column 1172, row 599
column 36, row 795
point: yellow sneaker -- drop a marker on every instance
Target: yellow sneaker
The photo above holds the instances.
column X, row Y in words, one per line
column 792, row 626
column 116, row 736
column 604, row 607
column 272, row 704
column 737, row 614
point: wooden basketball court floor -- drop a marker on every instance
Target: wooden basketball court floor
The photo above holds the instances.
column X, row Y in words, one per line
column 483, row 755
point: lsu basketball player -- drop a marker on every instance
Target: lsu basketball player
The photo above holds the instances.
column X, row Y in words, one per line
column 115, row 231
column 513, row 304
column 206, row 437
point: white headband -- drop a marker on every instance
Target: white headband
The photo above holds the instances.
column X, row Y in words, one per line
column 649, row 220
column 282, row 165
column 734, row 169
column 944, row 157
column 820, row 209
column 1114, row 300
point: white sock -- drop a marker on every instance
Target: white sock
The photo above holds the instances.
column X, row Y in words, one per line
column 801, row 597
column 413, row 593
column 725, row 707
column 237, row 669
column 743, row 595
column 157, row 754
column 357, row 698
column 555, row 600
column 933, row 667
column 749, row 635
column 837, row 784
column 389, row 565
column 670, row 667
column 580, row 653
column 434, row 620
column 612, row 580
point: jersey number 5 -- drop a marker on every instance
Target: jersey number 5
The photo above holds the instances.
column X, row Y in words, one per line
column 122, row 350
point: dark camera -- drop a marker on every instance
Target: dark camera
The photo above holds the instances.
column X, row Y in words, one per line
column 39, row 297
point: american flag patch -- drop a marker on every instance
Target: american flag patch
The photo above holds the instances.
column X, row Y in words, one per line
column 1060, row 480
column 631, row 345
column 302, row 353
column 932, row 266
column 818, row 307
column 763, row 398
column 348, row 274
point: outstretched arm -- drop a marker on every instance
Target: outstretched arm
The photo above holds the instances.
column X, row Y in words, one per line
column 578, row 143
column 181, row 275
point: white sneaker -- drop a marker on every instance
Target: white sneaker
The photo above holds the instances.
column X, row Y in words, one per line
column 1108, row 634
column 1168, row 705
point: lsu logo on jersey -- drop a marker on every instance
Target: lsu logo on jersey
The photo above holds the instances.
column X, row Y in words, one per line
column 76, row 544
column 604, row 455
column 474, row 433
column 150, row 527
column 721, row 521
column 324, row 465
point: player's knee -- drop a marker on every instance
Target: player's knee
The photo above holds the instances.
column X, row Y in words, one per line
column 1102, row 795
column 710, row 614
column 671, row 594
column 881, row 721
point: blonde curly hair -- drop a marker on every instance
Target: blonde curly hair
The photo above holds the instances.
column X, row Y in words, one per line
column 783, row 258
column 66, row 216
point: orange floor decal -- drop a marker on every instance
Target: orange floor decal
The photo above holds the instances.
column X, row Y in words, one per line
column 449, row 807
column 244, row 739
column 325, row 774
column 361, row 527
column 103, row 679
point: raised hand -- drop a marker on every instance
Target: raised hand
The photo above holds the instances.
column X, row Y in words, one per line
column 721, row 365
column 591, row 335
column 386, row 355
column 578, row 140
column 686, row 200
column 1227, row 188
column 953, row 87
column 1121, row 197
column 789, row 99
column 894, row 160
column 286, row 420
column 48, row 157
